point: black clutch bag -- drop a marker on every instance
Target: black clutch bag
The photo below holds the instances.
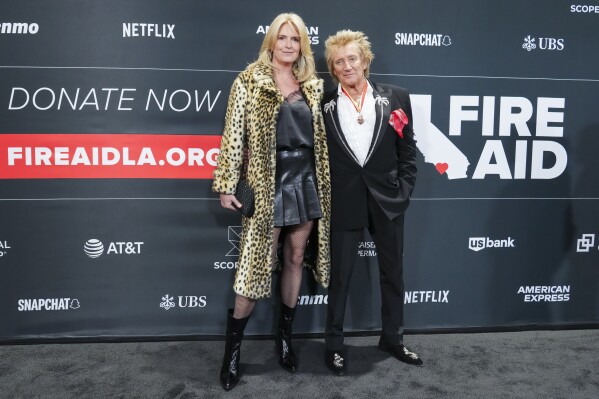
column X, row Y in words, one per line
column 245, row 195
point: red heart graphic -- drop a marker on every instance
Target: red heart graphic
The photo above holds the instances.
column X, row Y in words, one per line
column 441, row 167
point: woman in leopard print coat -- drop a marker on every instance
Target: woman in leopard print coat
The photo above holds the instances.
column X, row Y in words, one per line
column 285, row 67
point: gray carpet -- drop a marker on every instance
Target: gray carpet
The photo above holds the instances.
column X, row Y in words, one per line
column 538, row 364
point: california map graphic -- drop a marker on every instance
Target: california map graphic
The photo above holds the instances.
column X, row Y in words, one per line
column 434, row 145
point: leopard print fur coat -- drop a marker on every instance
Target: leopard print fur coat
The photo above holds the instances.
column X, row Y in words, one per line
column 251, row 120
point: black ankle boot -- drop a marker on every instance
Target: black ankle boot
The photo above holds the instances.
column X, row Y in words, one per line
column 287, row 358
column 229, row 372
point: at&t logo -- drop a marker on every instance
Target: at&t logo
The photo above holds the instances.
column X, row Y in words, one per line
column 3, row 247
column 184, row 301
column 94, row 248
column 544, row 43
column 480, row 243
column 585, row 243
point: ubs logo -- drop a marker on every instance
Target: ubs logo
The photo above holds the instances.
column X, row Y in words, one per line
column 543, row 43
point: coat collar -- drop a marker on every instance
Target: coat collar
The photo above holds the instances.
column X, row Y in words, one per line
column 312, row 87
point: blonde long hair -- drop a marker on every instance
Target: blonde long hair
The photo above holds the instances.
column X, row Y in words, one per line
column 303, row 67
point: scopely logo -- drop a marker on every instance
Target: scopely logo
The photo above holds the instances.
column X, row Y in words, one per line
column 27, row 305
column 312, row 32
column 422, row 39
column 543, row 43
column 538, row 153
column 18, row 28
column 585, row 9
column 479, row 243
column 94, row 248
column 4, row 247
column 234, row 237
column 585, row 243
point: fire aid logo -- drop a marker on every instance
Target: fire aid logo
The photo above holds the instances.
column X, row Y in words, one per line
column 585, row 243
column 538, row 153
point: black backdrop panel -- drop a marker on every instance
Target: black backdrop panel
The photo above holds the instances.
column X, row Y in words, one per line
column 503, row 230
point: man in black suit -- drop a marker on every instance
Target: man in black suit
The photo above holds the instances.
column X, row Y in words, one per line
column 373, row 171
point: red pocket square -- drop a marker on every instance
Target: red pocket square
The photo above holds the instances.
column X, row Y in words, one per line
column 398, row 120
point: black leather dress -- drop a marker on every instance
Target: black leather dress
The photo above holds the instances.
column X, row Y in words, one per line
column 296, row 195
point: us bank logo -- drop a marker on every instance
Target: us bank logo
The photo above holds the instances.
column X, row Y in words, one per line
column 532, row 129
column 479, row 243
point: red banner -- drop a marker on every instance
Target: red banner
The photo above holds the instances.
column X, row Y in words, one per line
column 89, row 156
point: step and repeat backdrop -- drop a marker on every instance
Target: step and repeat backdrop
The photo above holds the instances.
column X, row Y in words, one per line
column 111, row 115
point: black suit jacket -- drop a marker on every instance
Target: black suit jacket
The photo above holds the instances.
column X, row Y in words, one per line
column 389, row 173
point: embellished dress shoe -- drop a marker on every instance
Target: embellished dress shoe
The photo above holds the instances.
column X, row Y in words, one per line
column 401, row 353
column 335, row 362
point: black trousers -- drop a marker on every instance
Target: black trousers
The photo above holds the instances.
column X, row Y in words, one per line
column 388, row 238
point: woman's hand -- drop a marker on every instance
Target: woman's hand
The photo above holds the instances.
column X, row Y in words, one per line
column 229, row 201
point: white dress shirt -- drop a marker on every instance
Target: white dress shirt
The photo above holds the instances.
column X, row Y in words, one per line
column 358, row 136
